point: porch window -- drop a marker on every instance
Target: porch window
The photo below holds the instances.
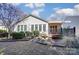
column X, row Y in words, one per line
column 32, row 27
column 44, row 27
column 18, row 28
column 55, row 28
column 25, row 27
column 40, row 27
column 21, row 27
column 36, row 27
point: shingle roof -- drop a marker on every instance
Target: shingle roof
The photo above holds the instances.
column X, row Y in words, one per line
column 55, row 21
column 32, row 16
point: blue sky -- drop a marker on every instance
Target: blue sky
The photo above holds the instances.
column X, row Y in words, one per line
column 49, row 10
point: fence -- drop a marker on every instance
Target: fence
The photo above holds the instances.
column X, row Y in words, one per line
column 68, row 31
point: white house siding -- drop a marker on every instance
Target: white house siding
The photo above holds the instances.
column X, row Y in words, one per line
column 2, row 27
column 32, row 21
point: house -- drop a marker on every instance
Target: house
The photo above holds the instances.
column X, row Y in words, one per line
column 51, row 27
column 31, row 22
column 54, row 27
column 72, row 21
column 2, row 27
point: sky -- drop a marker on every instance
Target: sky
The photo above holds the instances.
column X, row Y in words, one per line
column 48, row 11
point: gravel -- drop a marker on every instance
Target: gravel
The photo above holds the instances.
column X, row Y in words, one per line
column 32, row 48
column 26, row 48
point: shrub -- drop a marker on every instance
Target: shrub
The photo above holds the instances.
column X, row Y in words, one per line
column 2, row 31
column 35, row 33
column 2, row 51
column 4, row 34
column 43, row 35
column 27, row 33
column 71, row 42
column 58, row 36
column 18, row 35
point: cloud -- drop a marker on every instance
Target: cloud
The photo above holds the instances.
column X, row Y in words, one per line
column 76, row 8
column 66, row 11
column 62, row 12
column 67, row 21
column 30, row 5
column 35, row 5
column 51, row 17
column 36, row 8
column 37, row 12
column 40, row 10
column 39, row 5
column 15, row 4
column 69, row 11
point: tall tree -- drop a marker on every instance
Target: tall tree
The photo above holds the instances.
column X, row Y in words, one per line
column 9, row 15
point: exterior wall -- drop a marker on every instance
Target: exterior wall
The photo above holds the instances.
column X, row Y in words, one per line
column 31, row 21
column 55, row 24
column 2, row 27
column 74, row 22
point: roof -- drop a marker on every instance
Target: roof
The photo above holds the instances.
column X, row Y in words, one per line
column 29, row 16
column 55, row 21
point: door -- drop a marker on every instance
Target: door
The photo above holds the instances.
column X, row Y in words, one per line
column 53, row 29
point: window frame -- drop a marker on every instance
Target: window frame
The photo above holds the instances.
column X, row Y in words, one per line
column 36, row 26
column 18, row 28
column 25, row 27
column 40, row 27
column 44, row 27
column 32, row 27
column 22, row 27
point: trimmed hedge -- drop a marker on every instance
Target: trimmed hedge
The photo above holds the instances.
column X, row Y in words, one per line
column 3, row 33
column 18, row 35
column 35, row 33
column 21, row 35
column 28, row 33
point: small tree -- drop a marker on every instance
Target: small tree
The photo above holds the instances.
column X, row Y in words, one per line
column 9, row 15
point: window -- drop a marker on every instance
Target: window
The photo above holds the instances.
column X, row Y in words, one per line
column 55, row 28
column 25, row 27
column 21, row 27
column 32, row 27
column 18, row 28
column 36, row 27
column 40, row 27
column 44, row 27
